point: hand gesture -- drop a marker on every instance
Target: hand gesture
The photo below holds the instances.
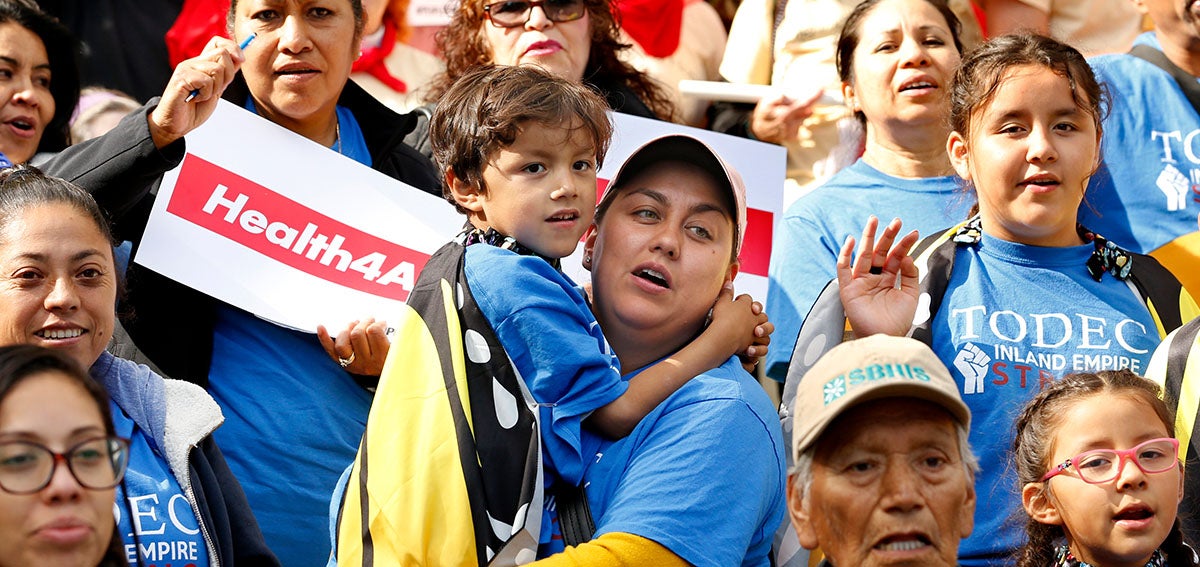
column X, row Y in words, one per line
column 777, row 119
column 759, row 344
column 739, row 325
column 879, row 287
column 361, row 348
column 209, row 73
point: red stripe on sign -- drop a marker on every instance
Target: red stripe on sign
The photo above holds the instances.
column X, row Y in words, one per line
column 288, row 232
column 756, row 248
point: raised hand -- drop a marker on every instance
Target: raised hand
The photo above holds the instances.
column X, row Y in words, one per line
column 879, row 287
column 208, row 73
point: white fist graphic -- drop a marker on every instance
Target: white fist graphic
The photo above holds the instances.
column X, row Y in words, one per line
column 972, row 363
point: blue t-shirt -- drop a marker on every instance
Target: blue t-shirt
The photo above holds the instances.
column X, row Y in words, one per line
column 167, row 530
column 1015, row 318
column 703, row 474
column 555, row 344
column 1147, row 193
column 812, row 231
column 288, row 408
column 350, row 141
column 556, row 347
column 293, row 421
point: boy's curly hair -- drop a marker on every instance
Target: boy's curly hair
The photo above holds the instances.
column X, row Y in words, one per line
column 485, row 110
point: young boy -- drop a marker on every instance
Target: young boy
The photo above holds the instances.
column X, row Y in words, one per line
column 519, row 150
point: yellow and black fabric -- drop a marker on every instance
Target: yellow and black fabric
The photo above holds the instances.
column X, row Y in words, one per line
column 1176, row 367
column 1169, row 304
column 437, row 481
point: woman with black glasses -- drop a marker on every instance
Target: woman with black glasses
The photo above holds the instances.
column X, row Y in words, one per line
column 60, row 463
column 179, row 504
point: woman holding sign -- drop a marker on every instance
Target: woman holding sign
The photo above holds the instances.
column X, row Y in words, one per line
column 180, row 503
column 292, row 407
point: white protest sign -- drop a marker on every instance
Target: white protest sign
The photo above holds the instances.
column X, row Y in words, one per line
column 272, row 223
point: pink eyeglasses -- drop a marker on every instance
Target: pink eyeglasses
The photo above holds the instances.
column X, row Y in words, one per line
column 1102, row 465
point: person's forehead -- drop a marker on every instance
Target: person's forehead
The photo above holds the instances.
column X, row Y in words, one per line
column 702, row 184
column 880, row 423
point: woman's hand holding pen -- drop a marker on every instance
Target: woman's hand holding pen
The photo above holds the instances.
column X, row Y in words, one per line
column 208, row 73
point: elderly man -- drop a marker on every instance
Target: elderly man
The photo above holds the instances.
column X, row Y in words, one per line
column 883, row 471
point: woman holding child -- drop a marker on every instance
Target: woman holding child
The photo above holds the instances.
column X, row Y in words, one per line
column 1020, row 294
column 519, row 149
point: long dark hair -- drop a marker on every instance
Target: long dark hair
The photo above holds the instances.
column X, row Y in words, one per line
column 463, row 45
column 1036, row 427
column 64, row 52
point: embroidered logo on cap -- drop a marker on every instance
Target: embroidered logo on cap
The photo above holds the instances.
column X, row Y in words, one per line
column 842, row 384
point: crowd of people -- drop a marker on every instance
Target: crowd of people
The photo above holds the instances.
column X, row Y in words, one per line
column 998, row 375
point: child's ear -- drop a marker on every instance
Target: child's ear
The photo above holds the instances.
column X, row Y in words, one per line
column 849, row 97
column 1038, row 505
column 1181, row 484
column 732, row 273
column 589, row 243
column 466, row 194
column 956, row 148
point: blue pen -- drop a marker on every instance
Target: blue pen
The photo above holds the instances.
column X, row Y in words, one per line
column 243, row 45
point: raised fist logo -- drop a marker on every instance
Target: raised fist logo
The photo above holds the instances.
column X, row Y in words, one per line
column 1175, row 186
column 972, row 363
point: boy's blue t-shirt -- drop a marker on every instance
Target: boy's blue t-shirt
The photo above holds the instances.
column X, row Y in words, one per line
column 1015, row 318
column 813, row 229
column 555, row 344
column 167, row 530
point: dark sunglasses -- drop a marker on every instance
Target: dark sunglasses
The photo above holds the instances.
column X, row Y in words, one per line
column 515, row 13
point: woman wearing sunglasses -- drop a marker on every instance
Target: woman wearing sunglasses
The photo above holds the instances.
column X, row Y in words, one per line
column 577, row 40
column 60, row 463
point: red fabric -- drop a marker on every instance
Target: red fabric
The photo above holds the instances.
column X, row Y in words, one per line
column 372, row 59
column 654, row 24
column 198, row 22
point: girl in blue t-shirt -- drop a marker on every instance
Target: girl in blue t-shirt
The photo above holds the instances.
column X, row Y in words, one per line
column 1020, row 294
column 1099, row 474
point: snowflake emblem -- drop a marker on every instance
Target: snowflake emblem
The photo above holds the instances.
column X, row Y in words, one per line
column 834, row 389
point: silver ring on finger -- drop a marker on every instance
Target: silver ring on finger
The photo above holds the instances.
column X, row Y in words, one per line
column 344, row 362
